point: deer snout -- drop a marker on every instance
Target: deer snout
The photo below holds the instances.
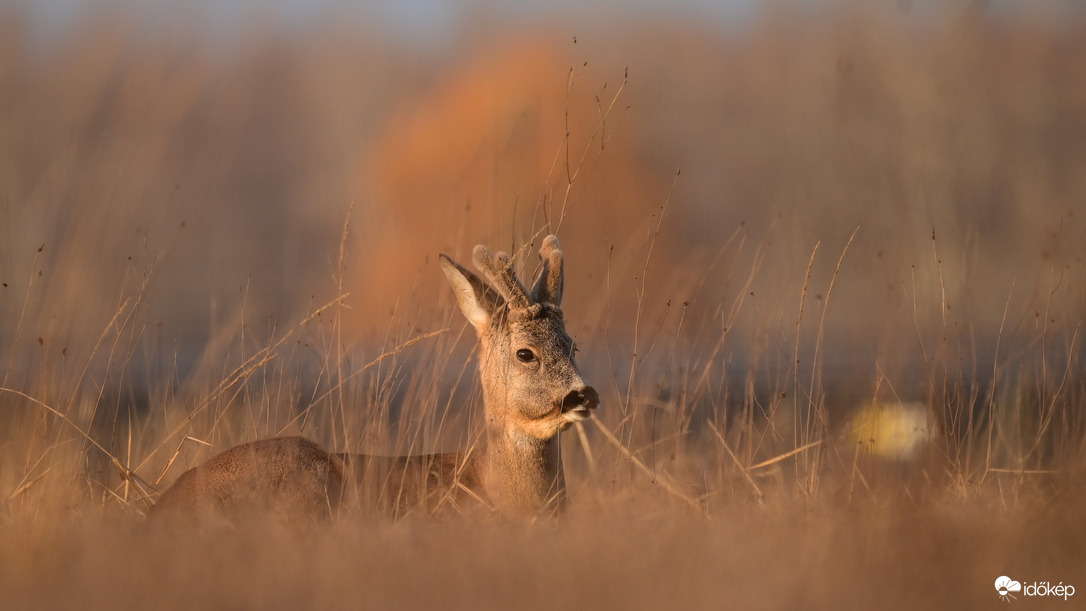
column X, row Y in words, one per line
column 581, row 400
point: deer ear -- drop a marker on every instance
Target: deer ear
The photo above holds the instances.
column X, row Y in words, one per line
column 476, row 300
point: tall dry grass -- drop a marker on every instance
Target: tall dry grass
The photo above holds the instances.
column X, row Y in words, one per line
column 827, row 273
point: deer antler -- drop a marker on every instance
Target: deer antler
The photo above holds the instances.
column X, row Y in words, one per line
column 499, row 270
column 548, row 289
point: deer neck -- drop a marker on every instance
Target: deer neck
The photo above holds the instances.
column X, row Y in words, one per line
column 523, row 475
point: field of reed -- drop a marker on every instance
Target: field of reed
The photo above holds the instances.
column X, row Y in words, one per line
column 827, row 271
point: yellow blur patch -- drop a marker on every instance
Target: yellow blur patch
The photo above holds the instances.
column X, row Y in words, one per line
column 892, row 430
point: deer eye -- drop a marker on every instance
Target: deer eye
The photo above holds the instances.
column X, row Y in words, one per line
column 525, row 355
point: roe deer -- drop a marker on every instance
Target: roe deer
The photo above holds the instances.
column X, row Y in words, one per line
column 532, row 390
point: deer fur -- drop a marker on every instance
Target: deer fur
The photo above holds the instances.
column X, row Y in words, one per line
column 532, row 390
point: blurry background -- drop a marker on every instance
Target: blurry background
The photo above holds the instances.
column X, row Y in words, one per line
column 902, row 420
column 174, row 172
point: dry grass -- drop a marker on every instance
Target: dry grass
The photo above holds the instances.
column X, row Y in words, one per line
column 749, row 559
column 840, row 352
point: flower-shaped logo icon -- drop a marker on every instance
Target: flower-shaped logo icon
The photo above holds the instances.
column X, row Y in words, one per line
column 1005, row 585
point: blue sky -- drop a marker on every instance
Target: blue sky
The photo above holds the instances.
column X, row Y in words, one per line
column 407, row 18
column 433, row 21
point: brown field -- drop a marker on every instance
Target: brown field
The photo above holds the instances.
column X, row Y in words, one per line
column 828, row 273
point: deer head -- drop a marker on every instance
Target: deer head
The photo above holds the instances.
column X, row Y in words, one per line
column 532, row 389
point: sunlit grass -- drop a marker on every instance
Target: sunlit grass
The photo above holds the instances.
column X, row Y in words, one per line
column 839, row 352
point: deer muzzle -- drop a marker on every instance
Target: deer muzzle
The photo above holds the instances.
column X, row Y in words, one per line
column 578, row 403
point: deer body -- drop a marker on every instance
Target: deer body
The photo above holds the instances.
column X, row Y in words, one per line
column 532, row 390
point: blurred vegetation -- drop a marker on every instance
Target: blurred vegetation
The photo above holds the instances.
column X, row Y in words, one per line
column 768, row 232
column 831, row 261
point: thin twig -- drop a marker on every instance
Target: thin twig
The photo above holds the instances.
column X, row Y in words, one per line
column 240, row 373
column 758, row 495
column 128, row 474
column 789, row 454
column 640, row 465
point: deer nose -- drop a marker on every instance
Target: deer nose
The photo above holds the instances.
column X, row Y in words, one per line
column 585, row 398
